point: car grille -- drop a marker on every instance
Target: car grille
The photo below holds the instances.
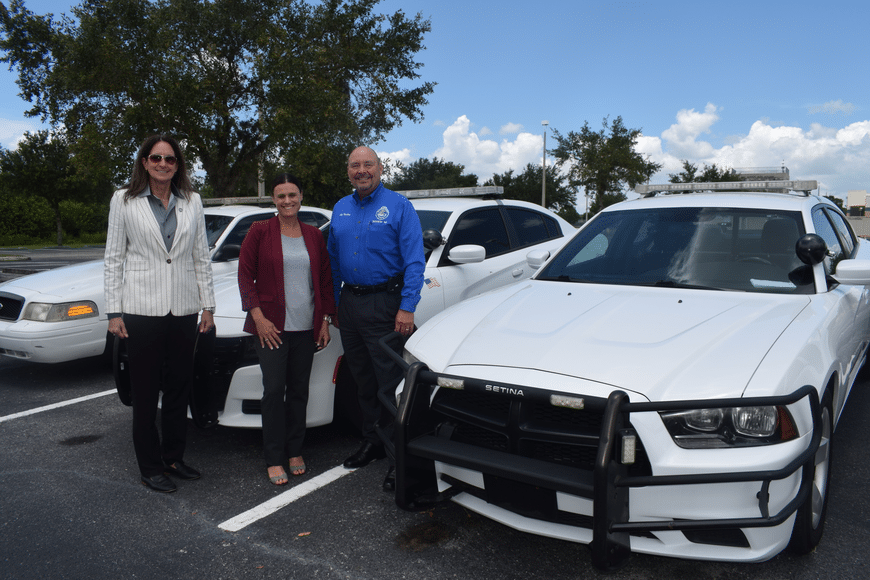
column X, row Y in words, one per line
column 10, row 306
column 528, row 428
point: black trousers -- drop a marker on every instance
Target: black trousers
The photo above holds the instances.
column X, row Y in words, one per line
column 364, row 321
column 286, row 373
column 160, row 350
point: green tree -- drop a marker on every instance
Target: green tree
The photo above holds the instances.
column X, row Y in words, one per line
column 293, row 82
column 42, row 166
column 431, row 174
column 603, row 162
column 710, row 174
column 839, row 203
column 527, row 186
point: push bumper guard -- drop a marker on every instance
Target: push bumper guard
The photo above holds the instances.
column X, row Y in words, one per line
column 417, row 447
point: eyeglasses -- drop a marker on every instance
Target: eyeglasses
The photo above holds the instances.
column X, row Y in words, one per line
column 170, row 159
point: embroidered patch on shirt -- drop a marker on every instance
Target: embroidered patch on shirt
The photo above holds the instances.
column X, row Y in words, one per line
column 382, row 213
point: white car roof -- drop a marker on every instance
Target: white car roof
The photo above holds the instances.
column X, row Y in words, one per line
column 241, row 210
column 754, row 200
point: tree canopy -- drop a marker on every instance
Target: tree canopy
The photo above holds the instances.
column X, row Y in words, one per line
column 297, row 82
column 42, row 166
column 603, row 162
column 710, row 174
column 431, row 174
column 527, row 187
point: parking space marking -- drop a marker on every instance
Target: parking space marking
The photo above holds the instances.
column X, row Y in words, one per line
column 264, row 509
column 56, row 406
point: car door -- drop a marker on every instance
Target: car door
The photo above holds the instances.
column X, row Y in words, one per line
column 853, row 304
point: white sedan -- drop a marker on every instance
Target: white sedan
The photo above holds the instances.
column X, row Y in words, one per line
column 669, row 382
column 59, row 315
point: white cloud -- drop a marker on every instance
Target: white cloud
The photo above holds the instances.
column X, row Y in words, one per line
column 510, row 129
column 832, row 108
column 12, row 132
column 485, row 131
column 486, row 157
column 838, row 158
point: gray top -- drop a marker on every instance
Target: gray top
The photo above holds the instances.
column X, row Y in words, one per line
column 298, row 285
column 165, row 216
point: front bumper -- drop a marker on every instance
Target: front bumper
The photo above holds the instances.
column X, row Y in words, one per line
column 564, row 477
column 53, row 342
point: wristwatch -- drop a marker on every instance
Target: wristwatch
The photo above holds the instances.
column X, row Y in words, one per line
column 327, row 318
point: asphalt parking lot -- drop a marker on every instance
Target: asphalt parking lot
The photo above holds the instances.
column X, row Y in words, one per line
column 72, row 506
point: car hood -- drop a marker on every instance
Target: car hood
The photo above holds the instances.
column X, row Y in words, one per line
column 75, row 282
column 664, row 343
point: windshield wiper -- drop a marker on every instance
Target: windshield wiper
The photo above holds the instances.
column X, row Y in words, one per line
column 675, row 284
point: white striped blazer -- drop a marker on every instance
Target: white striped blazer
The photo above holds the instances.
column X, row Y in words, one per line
column 140, row 276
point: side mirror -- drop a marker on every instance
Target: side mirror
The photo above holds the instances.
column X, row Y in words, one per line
column 468, row 254
column 536, row 258
column 227, row 252
column 855, row 272
column 811, row 249
column 432, row 239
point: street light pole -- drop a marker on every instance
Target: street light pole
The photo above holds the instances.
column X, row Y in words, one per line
column 544, row 167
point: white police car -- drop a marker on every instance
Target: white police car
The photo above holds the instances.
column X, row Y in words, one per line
column 475, row 241
column 669, row 382
column 59, row 315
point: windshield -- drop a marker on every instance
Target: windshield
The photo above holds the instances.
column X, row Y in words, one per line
column 712, row 248
column 215, row 226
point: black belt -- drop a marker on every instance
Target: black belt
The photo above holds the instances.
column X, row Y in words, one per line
column 358, row 290
column 393, row 286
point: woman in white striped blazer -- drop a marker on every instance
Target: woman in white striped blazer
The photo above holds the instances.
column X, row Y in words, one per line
column 157, row 279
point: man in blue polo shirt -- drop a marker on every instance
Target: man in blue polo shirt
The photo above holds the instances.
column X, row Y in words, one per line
column 376, row 250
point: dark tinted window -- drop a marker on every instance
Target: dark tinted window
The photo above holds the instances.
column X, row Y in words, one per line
column 215, row 226
column 482, row 228
column 240, row 230
column 528, row 225
column 432, row 219
column 312, row 218
column 846, row 236
column 826, row 230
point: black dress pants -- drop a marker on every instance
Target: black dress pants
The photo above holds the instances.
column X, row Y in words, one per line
column 160, row 350
column 364, row 321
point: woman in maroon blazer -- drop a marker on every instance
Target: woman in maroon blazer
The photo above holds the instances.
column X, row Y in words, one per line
column 286, row 285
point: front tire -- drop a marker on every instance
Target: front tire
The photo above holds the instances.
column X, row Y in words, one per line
column 809, row 522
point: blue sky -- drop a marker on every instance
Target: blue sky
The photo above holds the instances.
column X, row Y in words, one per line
column 739, row 84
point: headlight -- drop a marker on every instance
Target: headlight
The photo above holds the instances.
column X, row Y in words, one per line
column 729, row 427
column 43, row 312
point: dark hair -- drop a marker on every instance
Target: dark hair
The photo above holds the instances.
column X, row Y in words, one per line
column 139, row 179
column 286, row 178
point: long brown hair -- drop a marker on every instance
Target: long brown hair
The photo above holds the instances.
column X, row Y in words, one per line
column 139, row 179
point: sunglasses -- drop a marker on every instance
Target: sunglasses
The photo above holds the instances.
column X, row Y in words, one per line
column 170, row 159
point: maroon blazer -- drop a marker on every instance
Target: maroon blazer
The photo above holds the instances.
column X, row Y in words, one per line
column 261, row 274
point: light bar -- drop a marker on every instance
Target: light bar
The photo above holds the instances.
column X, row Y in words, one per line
column 650, row 190
column 454, row 192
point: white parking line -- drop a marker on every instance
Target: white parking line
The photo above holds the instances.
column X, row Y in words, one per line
column 264, row 509
column 56, row 406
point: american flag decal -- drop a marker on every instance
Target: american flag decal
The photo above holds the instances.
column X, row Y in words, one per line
column 431, row 282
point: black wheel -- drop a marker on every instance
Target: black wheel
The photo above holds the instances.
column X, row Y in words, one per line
column 121, row 371
column 809, row 523
column 346, row 410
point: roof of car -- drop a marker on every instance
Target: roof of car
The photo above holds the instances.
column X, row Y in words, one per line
column 238, row 210
column 748, row 200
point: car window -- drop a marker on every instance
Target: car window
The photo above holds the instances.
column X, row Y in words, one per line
column 712, row 248
column 215, row 226
column 240, row 230
column 847, row 237
column 483, row 227
column 528, row 225
column 433, row 220
column 312, row 218
column 826, row 230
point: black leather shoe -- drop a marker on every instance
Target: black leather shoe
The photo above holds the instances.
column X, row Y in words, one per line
column 179, row 469
column 365, row 455
column 390, row 480
column 159, row 483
